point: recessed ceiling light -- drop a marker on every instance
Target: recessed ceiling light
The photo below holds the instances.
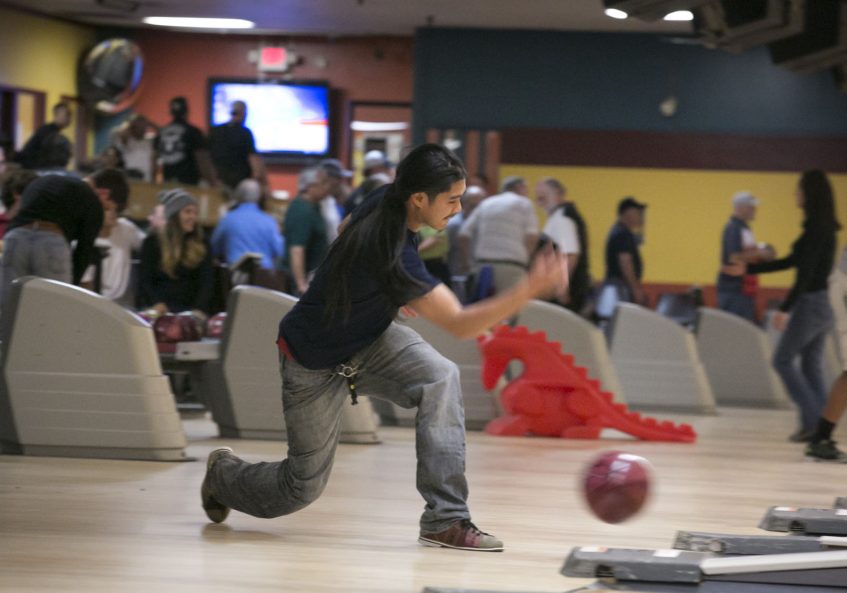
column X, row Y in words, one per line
column 198, row 23
column 679, row 15
column 616, row 14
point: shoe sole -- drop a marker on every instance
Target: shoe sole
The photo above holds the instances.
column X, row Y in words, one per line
column 216, row 515
column 436, row 544
column 838, row 461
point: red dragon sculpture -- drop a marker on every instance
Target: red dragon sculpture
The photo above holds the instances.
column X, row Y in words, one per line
column 554, row 397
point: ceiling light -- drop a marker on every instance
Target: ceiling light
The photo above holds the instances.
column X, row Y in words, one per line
column 680, row 15
column 198, row 23
column 615, row 13
column 371, row 126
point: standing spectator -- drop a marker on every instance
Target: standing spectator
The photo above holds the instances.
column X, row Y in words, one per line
column 55, row 211
column 44, row 149
column 118, row 235
column 135, row 140
column 470, row 200
column 233, row 149
column 567, row 229
column 182, row 150
column 503, row 231
column 332, row 206
column 14, row 184
column 176, row 267
column 738, row 294
column 305, row 229
column 376, row 166
column 247, row 229
column 821, row 446
column 811, row 319
column 433, row 252
column 624, row 267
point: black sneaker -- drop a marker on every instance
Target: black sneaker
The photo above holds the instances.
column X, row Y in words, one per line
column 214, row 510
column 462, row 535
column 802, row 436
column 825, row 451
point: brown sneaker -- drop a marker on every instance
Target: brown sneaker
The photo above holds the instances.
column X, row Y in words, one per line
column 214, row 510
column 462, row 535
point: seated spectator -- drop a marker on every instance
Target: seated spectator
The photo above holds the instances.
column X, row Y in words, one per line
column 55, row 211
column 119, row 236
column 13, row 187
column 176, row 266
column 247, row 229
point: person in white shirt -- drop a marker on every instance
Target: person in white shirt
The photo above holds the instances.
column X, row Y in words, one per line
column 550, row 195
column 134, row 140
column 121, row 237
column 504, row 233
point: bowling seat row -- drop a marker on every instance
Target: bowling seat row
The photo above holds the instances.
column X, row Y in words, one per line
column 82, row 376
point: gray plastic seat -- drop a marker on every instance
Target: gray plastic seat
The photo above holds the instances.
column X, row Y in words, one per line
column 480, row 404
column 737, row 357
column 81, row 378
column 658, row 363
column 244, row 385
column 579, row 338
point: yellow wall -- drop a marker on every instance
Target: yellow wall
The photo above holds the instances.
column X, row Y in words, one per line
column 41, row 54
column 687, row 211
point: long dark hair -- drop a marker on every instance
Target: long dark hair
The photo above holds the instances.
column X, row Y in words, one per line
column 377, row 236
column 818, row 201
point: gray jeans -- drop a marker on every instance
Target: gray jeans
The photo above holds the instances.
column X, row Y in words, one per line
column 399, row 367
column 805, row 337
column 31, row 252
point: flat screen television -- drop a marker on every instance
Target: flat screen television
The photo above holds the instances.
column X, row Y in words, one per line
column 287, row 118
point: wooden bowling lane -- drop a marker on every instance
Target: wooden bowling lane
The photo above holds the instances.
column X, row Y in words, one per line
column 105, row 526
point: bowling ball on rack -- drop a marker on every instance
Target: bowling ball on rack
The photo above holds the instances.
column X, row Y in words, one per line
column 215, row 325
column 170, row 328
column 616, row 485
column 198, row 322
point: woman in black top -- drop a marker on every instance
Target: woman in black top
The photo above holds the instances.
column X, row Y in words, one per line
column 176, row 265
column 811, row 317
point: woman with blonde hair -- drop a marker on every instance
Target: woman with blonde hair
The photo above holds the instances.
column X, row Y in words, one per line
column 176, row 264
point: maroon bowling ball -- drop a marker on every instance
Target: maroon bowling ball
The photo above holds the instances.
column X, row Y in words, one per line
column 616, row 485
column 170, row 328
column 215, row 325
column 198, row 323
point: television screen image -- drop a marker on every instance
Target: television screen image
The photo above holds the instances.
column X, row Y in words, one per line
column 285, row 118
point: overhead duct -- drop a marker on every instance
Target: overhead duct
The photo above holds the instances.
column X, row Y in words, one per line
column 738, row 25
column 822, row 43
column 653, row 10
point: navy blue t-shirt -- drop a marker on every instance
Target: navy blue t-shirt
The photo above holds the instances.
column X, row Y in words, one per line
column 621, row 240
column 318, row 343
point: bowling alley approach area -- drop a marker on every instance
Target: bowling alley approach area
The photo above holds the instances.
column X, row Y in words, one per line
column 110, row 525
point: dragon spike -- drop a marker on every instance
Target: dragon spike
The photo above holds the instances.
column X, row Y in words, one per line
column 520, row 330
column 538, row 336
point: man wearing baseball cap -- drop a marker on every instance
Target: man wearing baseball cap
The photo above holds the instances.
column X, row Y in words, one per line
column 737, row 294
column 332, row 206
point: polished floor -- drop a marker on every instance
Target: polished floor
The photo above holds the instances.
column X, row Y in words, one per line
column 116, row 526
